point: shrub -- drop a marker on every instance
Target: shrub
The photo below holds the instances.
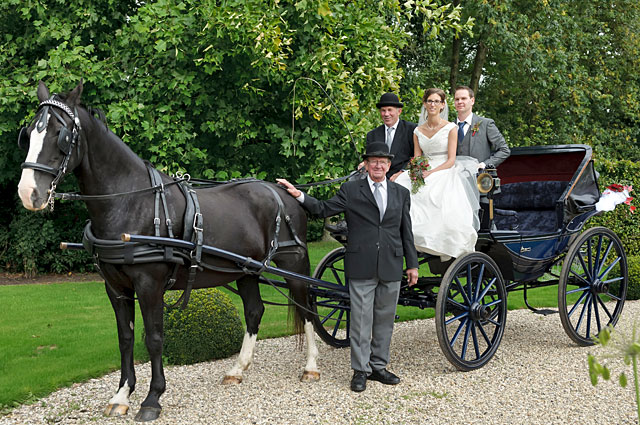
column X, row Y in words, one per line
column 209, row 328
column 633, row 292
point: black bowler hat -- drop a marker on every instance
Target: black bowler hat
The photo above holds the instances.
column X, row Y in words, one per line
column 377, row 149
column 389, row 99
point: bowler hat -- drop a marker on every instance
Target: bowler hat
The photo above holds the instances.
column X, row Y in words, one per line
column 377, row 149
column 389, row 99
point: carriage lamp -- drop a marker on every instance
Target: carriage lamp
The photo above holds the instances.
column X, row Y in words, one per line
column 484, row 182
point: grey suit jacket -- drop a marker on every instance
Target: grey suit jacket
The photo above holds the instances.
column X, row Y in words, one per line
column 487, row 144
column 402, row 146
column 374, row 247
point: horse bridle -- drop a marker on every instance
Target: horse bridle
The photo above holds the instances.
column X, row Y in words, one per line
column 67, row 140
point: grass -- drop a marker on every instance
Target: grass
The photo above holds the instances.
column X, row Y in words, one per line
column 54, row 335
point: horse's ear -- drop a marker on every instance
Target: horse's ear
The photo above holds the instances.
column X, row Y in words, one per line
column 43, row 92
column 73, row 99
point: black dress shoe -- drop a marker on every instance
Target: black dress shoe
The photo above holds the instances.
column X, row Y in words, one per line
column 384, row 376
column 359, row 381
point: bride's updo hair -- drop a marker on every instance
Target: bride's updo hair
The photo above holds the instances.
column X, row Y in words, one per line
column 439, row 92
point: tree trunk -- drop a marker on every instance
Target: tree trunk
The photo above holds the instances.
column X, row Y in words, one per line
column 455, row 64
column 455, row 58
column 478, row 64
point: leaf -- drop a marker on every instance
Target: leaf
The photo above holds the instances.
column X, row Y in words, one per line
column 623, row 380
column 323, row 9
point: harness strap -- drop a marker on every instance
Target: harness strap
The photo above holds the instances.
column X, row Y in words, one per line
column 195, row 255
column 156, row 181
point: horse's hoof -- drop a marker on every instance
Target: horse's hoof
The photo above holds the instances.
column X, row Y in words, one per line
column 116, row 410
column 146, row 414
column 231, row 380
column 310, row 376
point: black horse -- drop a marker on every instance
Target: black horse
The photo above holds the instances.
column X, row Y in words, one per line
column 238, row 217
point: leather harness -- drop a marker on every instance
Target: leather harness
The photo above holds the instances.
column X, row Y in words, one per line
column 119, row 252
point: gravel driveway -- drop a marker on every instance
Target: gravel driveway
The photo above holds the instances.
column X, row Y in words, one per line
column 538, row 376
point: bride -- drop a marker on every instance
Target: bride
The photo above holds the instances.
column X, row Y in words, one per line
column 444, row 212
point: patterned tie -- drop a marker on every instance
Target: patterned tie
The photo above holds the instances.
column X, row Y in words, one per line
column 461, row 131
column 389, row 139
column 377, row 194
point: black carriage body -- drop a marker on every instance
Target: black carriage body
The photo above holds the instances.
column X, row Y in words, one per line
column 546, row 194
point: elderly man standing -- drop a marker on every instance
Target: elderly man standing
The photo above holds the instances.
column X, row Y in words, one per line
column 379, row 236
column 396, row 133
column 478, row 136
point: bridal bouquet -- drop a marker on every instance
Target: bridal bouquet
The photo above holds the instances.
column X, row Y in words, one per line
column 417, row 165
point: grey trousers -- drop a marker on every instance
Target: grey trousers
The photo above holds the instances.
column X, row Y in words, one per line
column 373, row 310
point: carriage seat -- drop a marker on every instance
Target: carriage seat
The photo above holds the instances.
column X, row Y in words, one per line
column 528, row 207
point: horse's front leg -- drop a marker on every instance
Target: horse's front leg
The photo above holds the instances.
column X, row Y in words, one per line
column 124, row 309
column 150, row 296
column 311, row 373
column 253, row 310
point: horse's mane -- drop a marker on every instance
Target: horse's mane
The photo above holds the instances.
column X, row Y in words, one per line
column 94, row 112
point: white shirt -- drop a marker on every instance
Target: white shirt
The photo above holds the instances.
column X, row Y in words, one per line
column 467, row 124
column 383, row 191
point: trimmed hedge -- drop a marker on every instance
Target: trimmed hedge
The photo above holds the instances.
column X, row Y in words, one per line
column 633, row 292
column 208, row 329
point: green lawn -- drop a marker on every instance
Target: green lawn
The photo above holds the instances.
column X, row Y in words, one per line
column 54, row 335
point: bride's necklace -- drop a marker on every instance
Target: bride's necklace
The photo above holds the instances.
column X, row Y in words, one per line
column 432, row 128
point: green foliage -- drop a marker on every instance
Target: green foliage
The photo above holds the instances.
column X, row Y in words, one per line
column 206, row 86
column 30, row 242
column 621, row 346
column 209, row 328
column 633, row 292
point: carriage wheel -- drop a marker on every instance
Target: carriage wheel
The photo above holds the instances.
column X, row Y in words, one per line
column 333, row 309
column 471, row 311
column 593, row 284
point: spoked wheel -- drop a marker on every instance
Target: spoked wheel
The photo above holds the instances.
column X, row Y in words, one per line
column 471, row 311
column 332, row 307
column 593, row 284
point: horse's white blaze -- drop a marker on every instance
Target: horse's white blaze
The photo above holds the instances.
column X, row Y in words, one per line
column 122, row 396
column 246, row 355
column 28, row 180
column 312, row 348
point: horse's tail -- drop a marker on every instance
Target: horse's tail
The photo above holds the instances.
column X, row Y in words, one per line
column 294, row 317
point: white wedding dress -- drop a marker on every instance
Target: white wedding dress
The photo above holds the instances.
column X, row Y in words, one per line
column 444, row 212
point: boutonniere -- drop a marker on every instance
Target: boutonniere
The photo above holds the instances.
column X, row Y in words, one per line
column 475, row 128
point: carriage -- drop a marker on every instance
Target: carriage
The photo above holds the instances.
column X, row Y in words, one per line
column 534, row 207
column 150, row 232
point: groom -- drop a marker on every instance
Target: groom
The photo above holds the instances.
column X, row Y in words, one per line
column 379, row 236
column 478, row 137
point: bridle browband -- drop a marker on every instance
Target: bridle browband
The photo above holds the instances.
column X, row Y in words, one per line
column 67, row 141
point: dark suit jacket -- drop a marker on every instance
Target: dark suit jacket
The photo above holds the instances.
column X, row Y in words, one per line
column 372, row 246
column 402, row 146
column 486, row 145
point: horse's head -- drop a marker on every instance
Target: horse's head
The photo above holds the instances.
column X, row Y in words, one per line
column 50, row 141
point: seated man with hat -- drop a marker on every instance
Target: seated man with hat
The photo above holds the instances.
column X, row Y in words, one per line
column 396, row 133
column 379, row 237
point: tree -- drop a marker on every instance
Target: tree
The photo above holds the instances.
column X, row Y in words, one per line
column 206, row 86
